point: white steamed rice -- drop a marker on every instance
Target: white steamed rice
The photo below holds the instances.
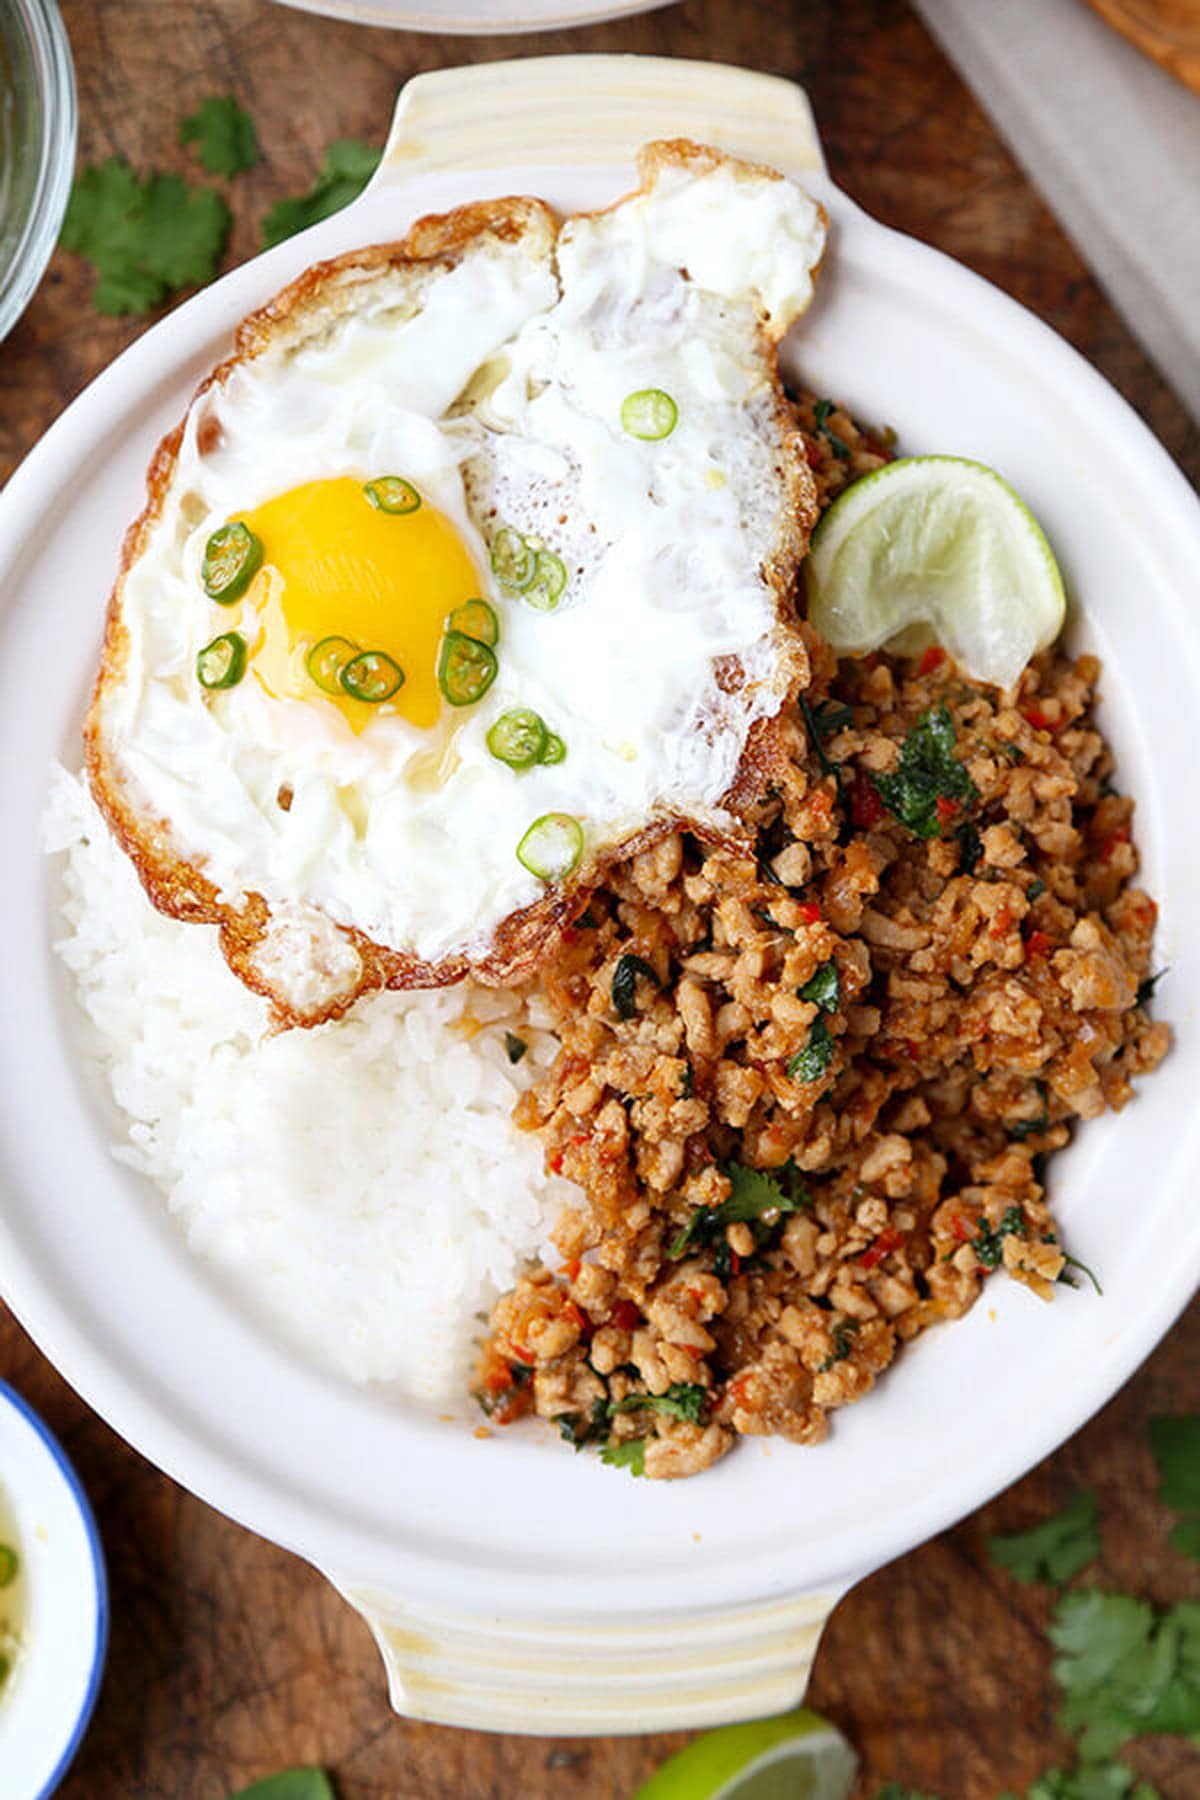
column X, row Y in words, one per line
column 363, row 1183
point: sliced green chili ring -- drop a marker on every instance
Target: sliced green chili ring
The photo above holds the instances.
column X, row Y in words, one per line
column 232, row 557
column 392, row 494
column 555, row 750
column 466, row 669
column 373, row 676
column 649, row 414
column 476, row 619
column 222, row 663
column 518, row 738
column 552, row 846
column 10, row 1563
column 326, row 660
column 514, row 562
column 549, row 582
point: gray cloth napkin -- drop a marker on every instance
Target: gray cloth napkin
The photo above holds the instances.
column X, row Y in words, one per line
column 1112, row 142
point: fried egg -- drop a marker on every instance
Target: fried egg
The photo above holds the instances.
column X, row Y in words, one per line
column 469, row 568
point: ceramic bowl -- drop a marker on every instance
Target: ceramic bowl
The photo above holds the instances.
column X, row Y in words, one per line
column 37, row 146
column 55, row 1682
column 510, row 1585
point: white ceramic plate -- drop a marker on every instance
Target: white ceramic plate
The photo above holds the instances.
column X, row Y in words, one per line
column 510, row 1584
column 468, row 18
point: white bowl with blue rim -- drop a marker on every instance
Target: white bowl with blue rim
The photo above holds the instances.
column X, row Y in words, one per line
column 48, row 1695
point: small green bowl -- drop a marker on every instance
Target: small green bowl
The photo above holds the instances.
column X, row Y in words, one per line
column 37, row 146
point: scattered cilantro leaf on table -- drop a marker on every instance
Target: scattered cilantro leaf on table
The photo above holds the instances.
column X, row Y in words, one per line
column 145, row 238
column 1092, row 1781
column 348, row 166
column 1126, row 1670
column 223, row 134
column 928, row 771
column 1186, row 1538
column 1175, row 1443
column 1053, row 1551
column 290, row 1784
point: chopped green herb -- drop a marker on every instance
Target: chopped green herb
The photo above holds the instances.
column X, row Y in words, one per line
column 578, row 1431
column 1091, row 1781
column 811, row 1063
column 1065, row 1277
column 1146, row 988
column 892, row 1790
column 928, row 772
column 685, row 1400
column 755, row 1198
column 630, row 1455
column 145, row 239
column 1055, row 1550
column 812, row 720
column 223, row 135
column 843, row 1343
column 824, row 989
column 347, row 167
column 514, row 1047
column 828, row 717
column 821, row 412
column 687, row 1081
column 624, row 983
column 290, row 1784
column 1035, row 890
column 989, row 1245
column 970, row 847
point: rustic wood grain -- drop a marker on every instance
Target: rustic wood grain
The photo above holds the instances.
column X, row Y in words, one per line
column 230, row 1658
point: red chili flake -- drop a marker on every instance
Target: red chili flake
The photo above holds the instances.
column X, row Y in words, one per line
column 499, row 1378
column 866, row 808
column 912, row 1050
column 735, row 1263
column 961, row 1229
column 1033, row 715
column 625, row 1316
column 808, row 912
column 556, row 1161
column 812, row 452
column 571, row 1269
column 1038, row 944
column 884, row 1244
column 1001, row 922
column 933, row 659
column 735, row 1389
column 1121, row 835
column 946, row 809
column 524, row 1356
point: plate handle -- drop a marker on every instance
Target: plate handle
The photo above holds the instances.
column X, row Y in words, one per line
column 593, row 1678
column 593, row 110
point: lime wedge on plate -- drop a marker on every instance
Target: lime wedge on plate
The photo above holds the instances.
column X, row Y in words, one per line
column 936, row 549
column 798, row 1756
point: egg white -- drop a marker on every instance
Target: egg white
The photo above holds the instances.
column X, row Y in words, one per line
column 499, row 397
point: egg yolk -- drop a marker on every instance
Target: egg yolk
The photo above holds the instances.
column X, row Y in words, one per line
column 334, row 565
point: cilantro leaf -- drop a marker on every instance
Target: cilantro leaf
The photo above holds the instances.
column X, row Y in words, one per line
column 348, row 166
column 685, row 1400
column 825, row 988
column 828, row 717
column 821, row 412
column 928, row 772
column 891, row 1790
column 1092, row 1781
column 753, row 1194
column 223, row 135
column 145, row 238
column 630, row 1455
column 843, row 1343
column 624, row 983
column 811, row 1063
column 1175, row 1443
column 289, row 1784
column 1125, row 1671
column 1055, row 1550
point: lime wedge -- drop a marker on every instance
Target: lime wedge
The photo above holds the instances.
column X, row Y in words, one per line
column 936, row 549
column 798, row 1756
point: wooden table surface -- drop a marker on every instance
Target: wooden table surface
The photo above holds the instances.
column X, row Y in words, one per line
column 231, row 1659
